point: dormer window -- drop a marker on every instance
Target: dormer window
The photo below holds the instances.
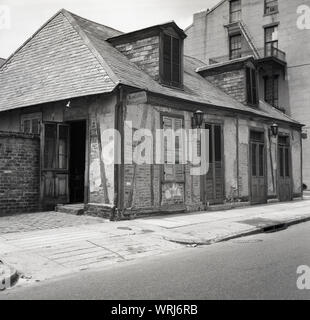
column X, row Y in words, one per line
column 171, row 61
column 157, row 50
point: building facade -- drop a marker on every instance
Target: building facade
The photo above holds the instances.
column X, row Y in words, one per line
column 78, row 93
column 277, row 34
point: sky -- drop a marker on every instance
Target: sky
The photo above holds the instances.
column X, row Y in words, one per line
column 19, row 19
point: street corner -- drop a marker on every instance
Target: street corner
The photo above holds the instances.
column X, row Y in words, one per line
column 8, row 276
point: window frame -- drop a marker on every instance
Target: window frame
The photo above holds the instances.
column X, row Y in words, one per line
column 231, row 56
column 31, row 117
column 270, row 42
column 274, row 101
column 267, row 6
column 56, row 166
column 231, row 12
column 163, row 80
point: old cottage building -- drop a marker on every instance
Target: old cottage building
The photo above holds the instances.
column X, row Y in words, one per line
column 277, row 34
column 74, row 79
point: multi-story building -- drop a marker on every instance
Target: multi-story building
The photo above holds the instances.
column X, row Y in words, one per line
column 277, row 34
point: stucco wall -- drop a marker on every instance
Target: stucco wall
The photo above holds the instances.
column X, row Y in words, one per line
column 99, row 112
column 142, row 183
column 101, row 173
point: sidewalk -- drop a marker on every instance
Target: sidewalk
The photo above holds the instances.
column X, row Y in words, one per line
column 51, row 250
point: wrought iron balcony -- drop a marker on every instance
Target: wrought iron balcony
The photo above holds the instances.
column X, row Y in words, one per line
column 264, row 53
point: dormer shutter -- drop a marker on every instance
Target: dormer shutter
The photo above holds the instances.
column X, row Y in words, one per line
column 171, row 73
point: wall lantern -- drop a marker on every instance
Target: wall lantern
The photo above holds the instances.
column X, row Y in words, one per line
column 274, row 130
column 198, row 119
column 68, row 105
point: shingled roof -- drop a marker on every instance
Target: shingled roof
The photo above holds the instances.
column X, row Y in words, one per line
column 69, row 57
column 2, row 61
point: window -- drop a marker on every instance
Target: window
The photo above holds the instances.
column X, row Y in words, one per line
column 172, row 51
column 235, row 47
column 271, row 41
column 271, row 6
column 251, row 85
column 56, row 143
column 30, row 123
column 235, row 10
column 272, row 90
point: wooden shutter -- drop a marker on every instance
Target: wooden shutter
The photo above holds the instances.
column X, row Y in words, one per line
column 248, row 85
column 214, row 179
column 176, row 61
column 173, row 172
column 171, row 73
column 251, row 86
column 254, row 86
column 167, row 58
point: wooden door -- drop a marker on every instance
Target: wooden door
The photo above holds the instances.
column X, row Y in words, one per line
column 284, row 169
column 54, row 164
column 173, row 174
column 213, row 181
column 258, row 168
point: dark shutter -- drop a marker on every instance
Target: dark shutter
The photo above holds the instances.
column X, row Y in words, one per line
column 175, row 61
column 254, row 87
column 248, row 85
column 251, row 86
column 217, row 143
column 171, row 74
column 167, row 58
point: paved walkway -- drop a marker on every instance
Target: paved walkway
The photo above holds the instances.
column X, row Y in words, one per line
column 43, row 221
column 62, row 244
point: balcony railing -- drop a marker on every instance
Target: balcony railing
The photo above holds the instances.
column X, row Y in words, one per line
column 263, row 53
column 271, row 51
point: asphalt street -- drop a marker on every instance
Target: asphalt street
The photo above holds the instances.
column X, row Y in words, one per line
column 263, row 266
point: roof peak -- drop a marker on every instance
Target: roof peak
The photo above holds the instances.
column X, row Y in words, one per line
column 65, row 11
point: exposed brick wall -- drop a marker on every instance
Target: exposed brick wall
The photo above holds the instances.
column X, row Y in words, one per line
column 231, row 82
column 19, row 173
column 145, row 53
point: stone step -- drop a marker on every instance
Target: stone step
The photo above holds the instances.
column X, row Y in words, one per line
column 75, row 209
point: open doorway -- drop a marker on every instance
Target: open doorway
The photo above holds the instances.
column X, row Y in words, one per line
column 77, row 161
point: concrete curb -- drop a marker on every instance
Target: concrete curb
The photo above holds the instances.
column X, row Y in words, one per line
column 8, row 281
column 268, row 228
